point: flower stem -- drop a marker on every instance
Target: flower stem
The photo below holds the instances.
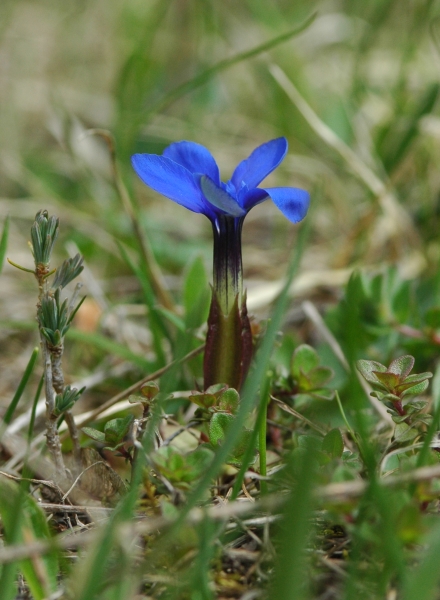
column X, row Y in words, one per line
column 52, row 437
column 228, row 348
column 228, row 270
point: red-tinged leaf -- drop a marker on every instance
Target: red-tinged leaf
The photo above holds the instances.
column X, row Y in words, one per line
column 229, row 401
column 385, row 397
column 216, row 389
column 150, row 390
column 410, row 382
column 416, row 389
column 402, row 366
column 247, row 342
column 203, row 400
column 389, row 380
column 417, row 377
column 368, row 369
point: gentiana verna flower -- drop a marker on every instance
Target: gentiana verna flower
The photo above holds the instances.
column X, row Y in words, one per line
column 188, row 174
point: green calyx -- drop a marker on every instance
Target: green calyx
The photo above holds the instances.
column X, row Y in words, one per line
column 228, row 350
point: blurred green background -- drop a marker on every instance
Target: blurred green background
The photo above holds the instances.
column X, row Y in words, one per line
column 355, row 92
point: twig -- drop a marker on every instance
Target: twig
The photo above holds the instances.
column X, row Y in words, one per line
column 179, row 431
column 99, row 462
column 340, row 492
column 255, row 522
column 52, row 437
column 69, row 508
column 288, row 409
column 47, row 483
column 56, row 355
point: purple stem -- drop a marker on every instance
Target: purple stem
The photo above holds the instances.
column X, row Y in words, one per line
column 228, row 270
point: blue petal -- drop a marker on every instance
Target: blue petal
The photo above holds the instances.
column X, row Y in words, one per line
column 169, row 179
column 194, row 157
column 292, row 202
column 219, row 198
column 253, row 197
column 260, row 163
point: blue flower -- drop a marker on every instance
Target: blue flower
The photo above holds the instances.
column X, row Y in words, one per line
column 188, row 174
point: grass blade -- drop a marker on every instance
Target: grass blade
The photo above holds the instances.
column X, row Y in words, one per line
column 4, row 242
column 289, row 579
column 24, row 522
column 208, row 74
column 157, row 325
column 15, row 400
column 422, row 583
